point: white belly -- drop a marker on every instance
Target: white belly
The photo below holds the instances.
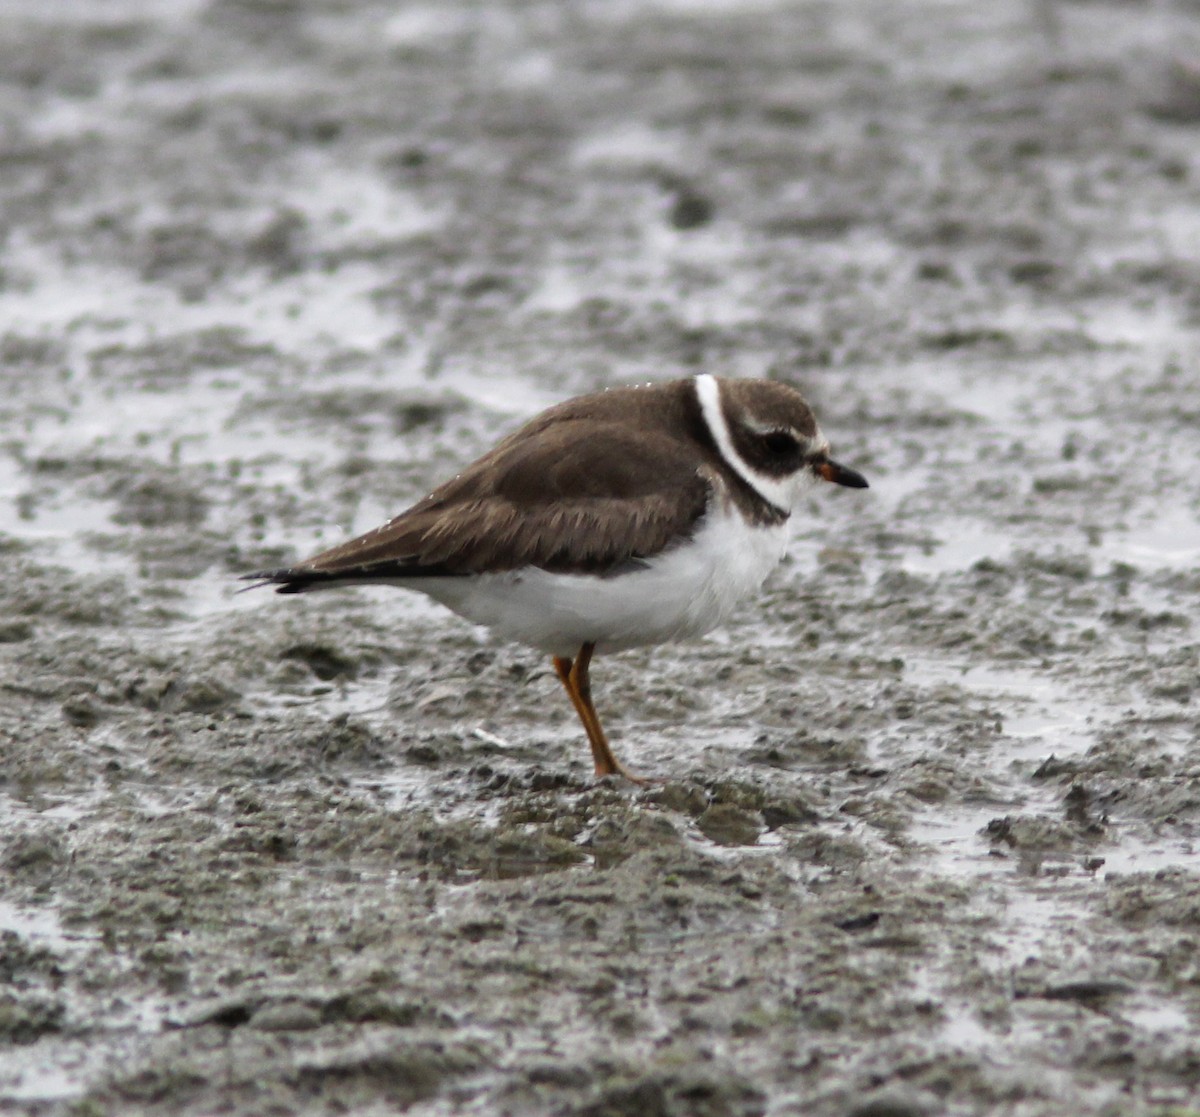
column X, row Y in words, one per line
column 678, row 596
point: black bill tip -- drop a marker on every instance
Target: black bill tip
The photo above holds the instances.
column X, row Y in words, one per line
column 842, row 475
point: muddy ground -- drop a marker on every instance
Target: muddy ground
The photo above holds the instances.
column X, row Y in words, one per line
column 925, row 839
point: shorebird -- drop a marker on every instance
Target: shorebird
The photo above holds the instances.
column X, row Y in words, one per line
column 633, row 516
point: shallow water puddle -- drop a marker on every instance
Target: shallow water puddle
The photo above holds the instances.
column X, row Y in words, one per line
column 1041, row 712
column 1165, row 538
column 53, row 1072
column 1044, row 716
column 1038, row 904
column 959, row 547
column 41, row 927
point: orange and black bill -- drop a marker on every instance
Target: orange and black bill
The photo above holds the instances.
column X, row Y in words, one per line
column 842, row 475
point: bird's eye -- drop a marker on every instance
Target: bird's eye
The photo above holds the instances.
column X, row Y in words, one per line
column 779, row 442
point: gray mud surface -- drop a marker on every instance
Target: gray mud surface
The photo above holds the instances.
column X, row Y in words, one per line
column 926, row 836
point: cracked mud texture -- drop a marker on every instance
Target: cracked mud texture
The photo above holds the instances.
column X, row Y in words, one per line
column 924, row 834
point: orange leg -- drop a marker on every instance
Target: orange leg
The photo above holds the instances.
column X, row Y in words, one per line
column 573, row 674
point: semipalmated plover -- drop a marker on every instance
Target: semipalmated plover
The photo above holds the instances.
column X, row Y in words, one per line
column 629, row 517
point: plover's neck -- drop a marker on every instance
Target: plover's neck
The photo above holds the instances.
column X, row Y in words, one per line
column 775, row 491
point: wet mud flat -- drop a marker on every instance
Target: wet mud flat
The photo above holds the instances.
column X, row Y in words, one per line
column 924, row 836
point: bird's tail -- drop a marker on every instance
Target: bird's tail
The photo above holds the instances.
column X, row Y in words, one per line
column 305, row 579
column 291, row 580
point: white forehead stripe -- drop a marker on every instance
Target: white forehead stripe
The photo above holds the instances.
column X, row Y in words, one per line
column 776, row 491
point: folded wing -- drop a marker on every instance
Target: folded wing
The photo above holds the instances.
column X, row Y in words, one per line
column 559, row 502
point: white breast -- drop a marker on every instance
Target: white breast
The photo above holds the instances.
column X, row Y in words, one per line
column 678, row 596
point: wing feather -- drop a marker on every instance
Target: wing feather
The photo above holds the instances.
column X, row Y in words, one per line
column 579, row 498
